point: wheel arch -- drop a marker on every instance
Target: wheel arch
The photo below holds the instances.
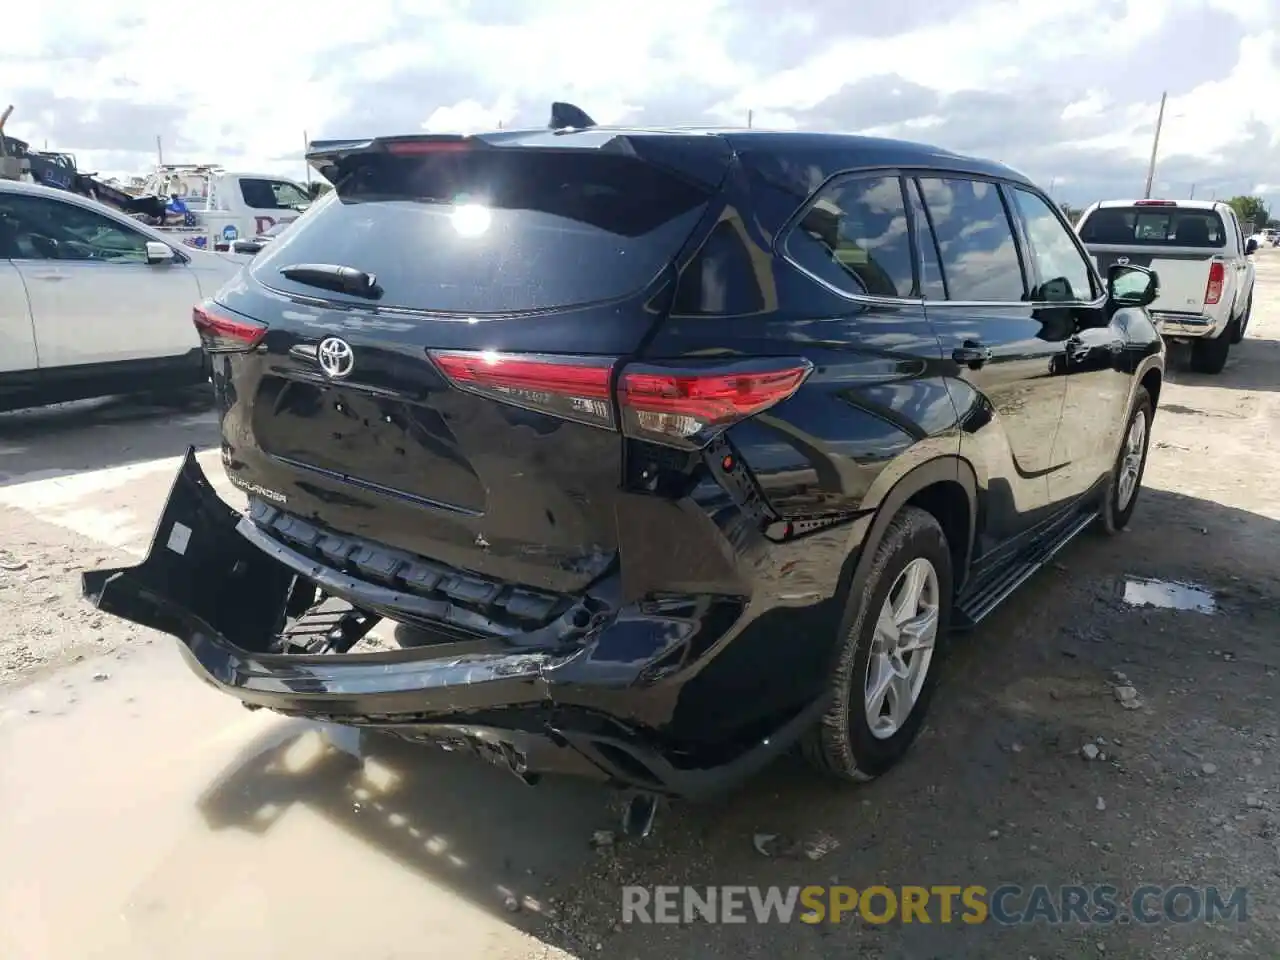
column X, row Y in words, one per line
column 1148, row 374
column 947, row 488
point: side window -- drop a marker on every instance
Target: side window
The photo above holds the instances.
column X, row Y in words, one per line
column 271, row 194
column 38, row 228
column 932, row 284
column 975, row 239
column 854, row 236
column 1061, row 271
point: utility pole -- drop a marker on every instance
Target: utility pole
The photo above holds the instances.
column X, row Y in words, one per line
column 1155, row 147
column 750, row 117
column 306, row 145
column 1052, row 183
column 159, row 152
column 1192, row 195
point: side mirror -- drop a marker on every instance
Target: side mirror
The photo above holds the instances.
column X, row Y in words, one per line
column 1250, row 247
column 158, row 252
column 1132, row 286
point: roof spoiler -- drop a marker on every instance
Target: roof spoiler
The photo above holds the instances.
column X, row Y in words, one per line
column 566, row 116
column 324, row 156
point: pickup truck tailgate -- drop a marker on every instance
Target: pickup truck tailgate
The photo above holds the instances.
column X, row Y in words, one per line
column 1179, row 241
column 1183, row 274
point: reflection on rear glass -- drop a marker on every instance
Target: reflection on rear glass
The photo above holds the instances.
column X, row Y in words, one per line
column 1173, row 227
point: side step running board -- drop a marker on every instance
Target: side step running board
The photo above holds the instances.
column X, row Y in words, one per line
column 975, row 604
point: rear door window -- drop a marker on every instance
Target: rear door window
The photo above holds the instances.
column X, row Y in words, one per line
column 854, row 237
column 42, row 228
column 496, row 230
column 932, row 284
column 975, row 240
column 1154, row 226
column 1236, row 229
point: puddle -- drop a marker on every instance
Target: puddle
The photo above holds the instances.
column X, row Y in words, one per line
column 153, row 817
column 1168, row 595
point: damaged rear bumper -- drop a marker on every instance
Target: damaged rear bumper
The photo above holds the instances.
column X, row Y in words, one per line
column 594, row 707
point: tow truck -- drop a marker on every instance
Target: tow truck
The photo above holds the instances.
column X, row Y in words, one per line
column 216, row 207
column 204, row 205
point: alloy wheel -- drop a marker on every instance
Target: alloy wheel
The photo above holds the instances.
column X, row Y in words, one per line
column 902, row 648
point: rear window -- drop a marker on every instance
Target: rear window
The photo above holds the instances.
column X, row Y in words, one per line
column 494, row 231
column 1156, row 226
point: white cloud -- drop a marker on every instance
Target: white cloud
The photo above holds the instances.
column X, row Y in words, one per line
column 256, row 75
column 470, row 117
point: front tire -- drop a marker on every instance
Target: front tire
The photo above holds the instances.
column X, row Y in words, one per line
column 1125, row 483
column 886, row 665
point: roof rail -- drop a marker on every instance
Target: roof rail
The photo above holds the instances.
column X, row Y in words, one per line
column 565, row 116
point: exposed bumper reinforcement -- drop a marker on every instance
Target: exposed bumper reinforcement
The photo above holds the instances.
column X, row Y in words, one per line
column 224, row 597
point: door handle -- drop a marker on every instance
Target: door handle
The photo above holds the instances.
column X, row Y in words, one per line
column 972, row 354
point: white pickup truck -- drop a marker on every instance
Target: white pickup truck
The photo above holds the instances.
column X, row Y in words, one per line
column 1201, row 256
column 214, row 207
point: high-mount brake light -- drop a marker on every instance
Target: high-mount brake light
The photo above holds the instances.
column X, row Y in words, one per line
column 678, row 406
column 418, row 148
column 1217, row 277
column 223, row 332
column 1155, row 203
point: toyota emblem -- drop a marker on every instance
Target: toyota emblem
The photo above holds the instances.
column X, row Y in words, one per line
column 1122, row 260
column 335, row 357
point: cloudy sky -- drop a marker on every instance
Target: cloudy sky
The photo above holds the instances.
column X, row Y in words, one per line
column 1065, row 91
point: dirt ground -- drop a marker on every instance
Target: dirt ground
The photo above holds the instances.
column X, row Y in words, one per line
column 149, row 817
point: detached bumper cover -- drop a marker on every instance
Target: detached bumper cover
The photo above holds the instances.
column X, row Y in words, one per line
column 565, row 708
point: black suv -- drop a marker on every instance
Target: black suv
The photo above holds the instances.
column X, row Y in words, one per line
column 673, row 447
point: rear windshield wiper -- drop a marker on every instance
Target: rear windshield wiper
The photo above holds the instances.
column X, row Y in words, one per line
column 332, row 276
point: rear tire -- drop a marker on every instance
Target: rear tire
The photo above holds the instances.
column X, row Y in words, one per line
column 878, row 673
column 1242, row 324
column 1125, row 483
column 1210, row 356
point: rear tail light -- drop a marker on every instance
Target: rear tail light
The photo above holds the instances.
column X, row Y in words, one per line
column 1213, row 289
column 576, row 388
column 676, row 405
column 224, row 332
column 682, row 405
